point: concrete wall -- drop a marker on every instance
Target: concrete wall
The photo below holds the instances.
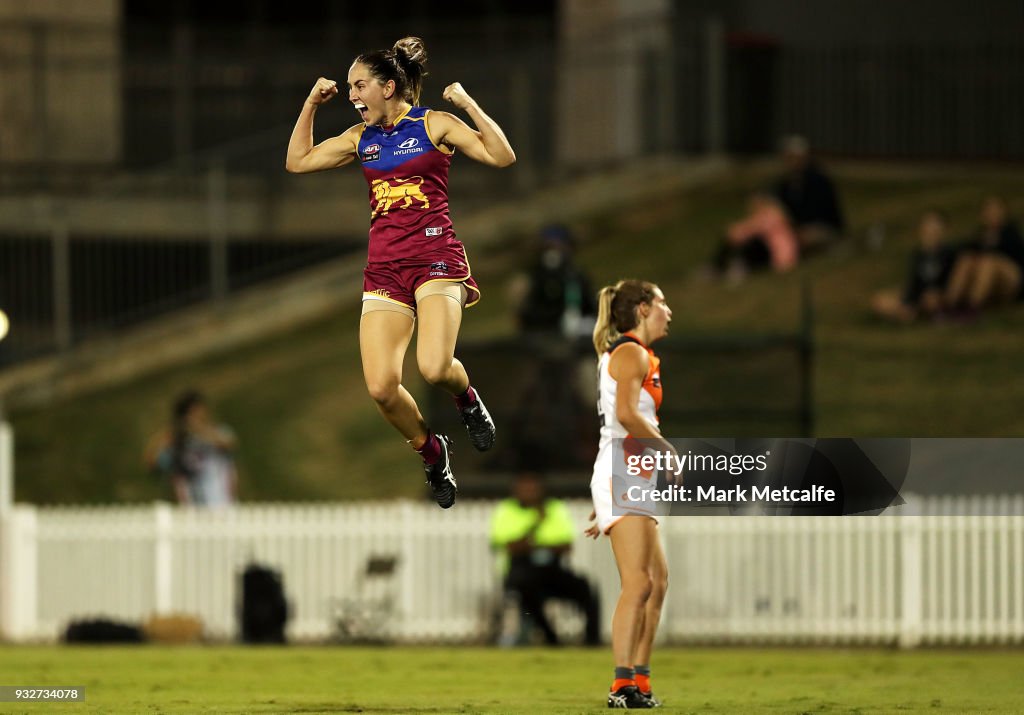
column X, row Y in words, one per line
column 605, row 105
column 60, row 86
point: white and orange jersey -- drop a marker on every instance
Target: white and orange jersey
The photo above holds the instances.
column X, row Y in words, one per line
column 609, row 507
column 607, row 387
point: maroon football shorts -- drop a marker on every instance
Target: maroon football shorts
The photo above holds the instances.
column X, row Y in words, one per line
column 396, row 283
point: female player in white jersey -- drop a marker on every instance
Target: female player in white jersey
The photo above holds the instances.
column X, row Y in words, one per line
column 632, row 314
column 415, row 265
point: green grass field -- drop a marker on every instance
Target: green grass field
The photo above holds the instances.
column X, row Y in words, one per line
column 152, row 679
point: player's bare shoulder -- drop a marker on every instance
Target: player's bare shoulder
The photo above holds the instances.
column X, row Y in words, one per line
column 345, row 147
column 439, row 124
column 440, row 118
column 353, row 134
column 627, row 360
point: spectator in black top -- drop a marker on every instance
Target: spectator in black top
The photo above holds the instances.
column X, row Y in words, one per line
column 809, row 197
column 989, row 268
column 560, row 298
column 930, row 264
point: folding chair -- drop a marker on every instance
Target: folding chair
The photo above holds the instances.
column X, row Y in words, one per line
column 368, row 616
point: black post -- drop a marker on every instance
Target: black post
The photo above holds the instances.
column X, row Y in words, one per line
column 806, row 360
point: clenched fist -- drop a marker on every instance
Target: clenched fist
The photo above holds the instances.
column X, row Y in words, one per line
column 323, row 91
column 458, row 96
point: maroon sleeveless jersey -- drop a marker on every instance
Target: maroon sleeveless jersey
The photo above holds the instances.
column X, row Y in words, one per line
column 408, row 178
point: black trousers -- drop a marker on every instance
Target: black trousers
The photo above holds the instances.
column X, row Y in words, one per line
column 537, row 584
column 753, row 254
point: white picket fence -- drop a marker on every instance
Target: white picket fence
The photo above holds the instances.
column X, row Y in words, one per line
column 888, row 579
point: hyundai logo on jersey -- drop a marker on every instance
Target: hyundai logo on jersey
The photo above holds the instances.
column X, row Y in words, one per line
column 409, row 146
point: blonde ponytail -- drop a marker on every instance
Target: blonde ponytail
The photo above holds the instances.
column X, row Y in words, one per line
column 604, row 332
column 617, row 310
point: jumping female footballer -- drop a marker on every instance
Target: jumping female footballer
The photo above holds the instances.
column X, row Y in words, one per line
column 416, row 268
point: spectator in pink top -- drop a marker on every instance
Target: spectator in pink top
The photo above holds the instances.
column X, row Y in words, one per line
column 763, row 239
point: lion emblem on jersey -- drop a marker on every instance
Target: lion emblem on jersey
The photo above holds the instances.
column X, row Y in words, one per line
column 402, row 192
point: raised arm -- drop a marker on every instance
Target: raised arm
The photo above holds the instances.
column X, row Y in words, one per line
column 303, row 157
column 486, row 144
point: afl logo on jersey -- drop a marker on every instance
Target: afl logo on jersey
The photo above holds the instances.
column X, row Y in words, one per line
column 371, row 153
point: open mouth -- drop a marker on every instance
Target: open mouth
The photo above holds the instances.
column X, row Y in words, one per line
column 361, row 108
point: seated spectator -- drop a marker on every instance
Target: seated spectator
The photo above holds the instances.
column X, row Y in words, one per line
column 930, row 265
column 763, row 239
column 559, row 297
column 535, row 534
column 988, row 269
column 809, row 197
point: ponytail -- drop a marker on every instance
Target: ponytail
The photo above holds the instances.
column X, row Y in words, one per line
column 411, row 57
column 616, row 311
column 604, row 332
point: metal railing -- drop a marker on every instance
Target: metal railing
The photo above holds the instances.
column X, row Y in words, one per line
column 63, row 288
column 950, row 102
